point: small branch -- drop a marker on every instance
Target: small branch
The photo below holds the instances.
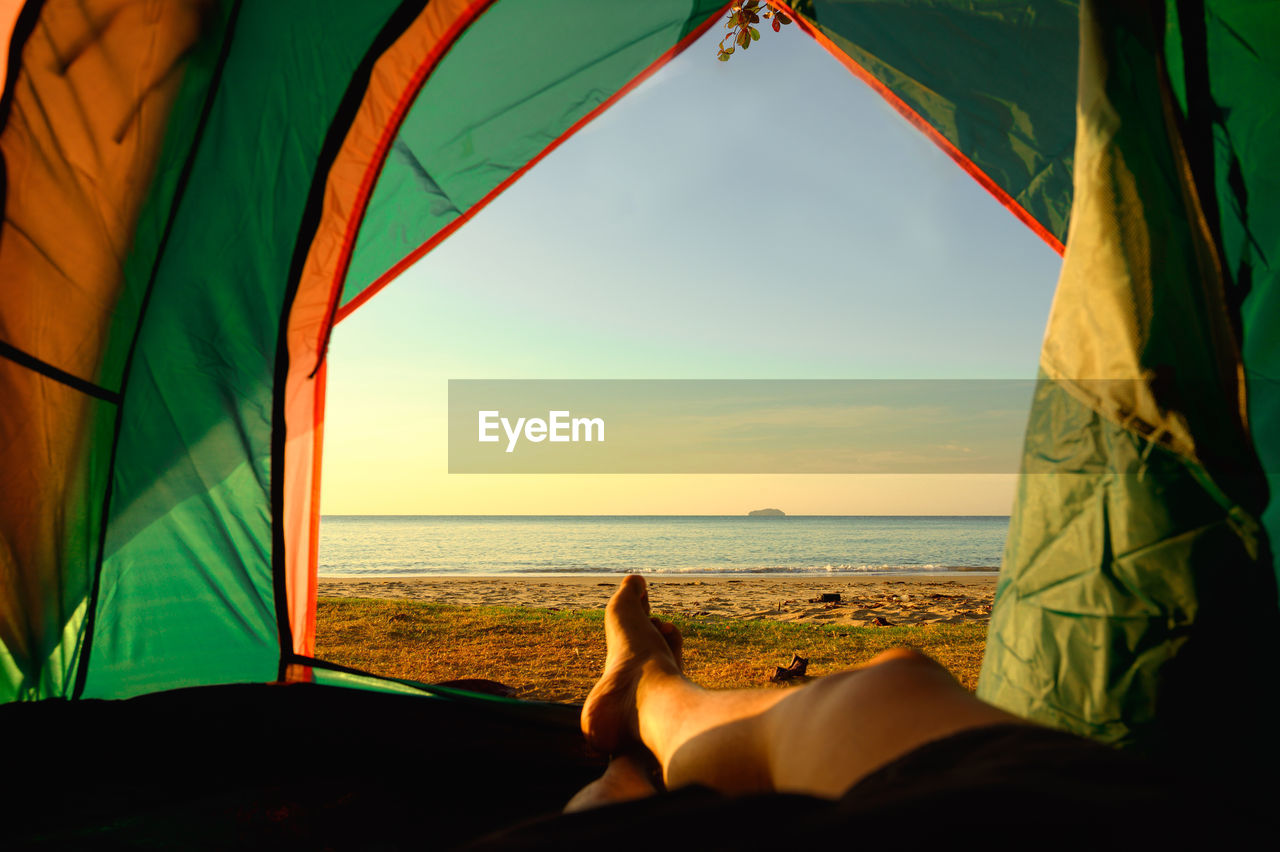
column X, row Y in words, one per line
column 740, row 25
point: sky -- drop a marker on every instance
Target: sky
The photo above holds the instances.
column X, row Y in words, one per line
column 769, row 217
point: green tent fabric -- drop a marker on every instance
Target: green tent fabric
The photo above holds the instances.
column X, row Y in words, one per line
column 994, row 80
column 468, row 133
column 1136, row 546
column 184, row 225
column 199, row 471
column 1233, row 60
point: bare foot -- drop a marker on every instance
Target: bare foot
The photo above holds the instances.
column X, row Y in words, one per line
column 638, row 646
column 626, row 778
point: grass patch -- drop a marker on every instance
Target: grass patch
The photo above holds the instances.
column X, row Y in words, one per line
column 557, row 656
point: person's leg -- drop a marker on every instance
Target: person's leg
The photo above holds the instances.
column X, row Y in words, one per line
column 817, row 739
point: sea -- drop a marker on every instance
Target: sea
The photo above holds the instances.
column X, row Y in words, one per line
column 525, row 545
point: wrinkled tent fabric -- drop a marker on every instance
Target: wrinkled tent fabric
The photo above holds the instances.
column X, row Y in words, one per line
column 184, row 225
column 1137, row 519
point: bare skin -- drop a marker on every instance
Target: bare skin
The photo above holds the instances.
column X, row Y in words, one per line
column 625, row 778
column 817, row 739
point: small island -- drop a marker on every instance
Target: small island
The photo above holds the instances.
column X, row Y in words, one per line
column 766, row 513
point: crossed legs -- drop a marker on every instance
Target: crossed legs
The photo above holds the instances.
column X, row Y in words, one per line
column 817, row 739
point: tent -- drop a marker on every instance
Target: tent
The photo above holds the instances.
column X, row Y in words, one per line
column 196, row 192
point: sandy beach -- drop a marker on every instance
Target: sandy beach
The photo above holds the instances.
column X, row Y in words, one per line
column 863, row 600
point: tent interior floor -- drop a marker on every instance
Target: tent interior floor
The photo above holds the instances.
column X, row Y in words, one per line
column 297, row 766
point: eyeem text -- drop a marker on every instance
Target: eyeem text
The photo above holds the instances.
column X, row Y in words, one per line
column 559, row 427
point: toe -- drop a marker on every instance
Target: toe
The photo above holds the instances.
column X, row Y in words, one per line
column 674, row 640
column 632, row 596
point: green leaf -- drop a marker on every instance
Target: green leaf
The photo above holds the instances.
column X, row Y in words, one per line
column 755, row 33
column 724, row 57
